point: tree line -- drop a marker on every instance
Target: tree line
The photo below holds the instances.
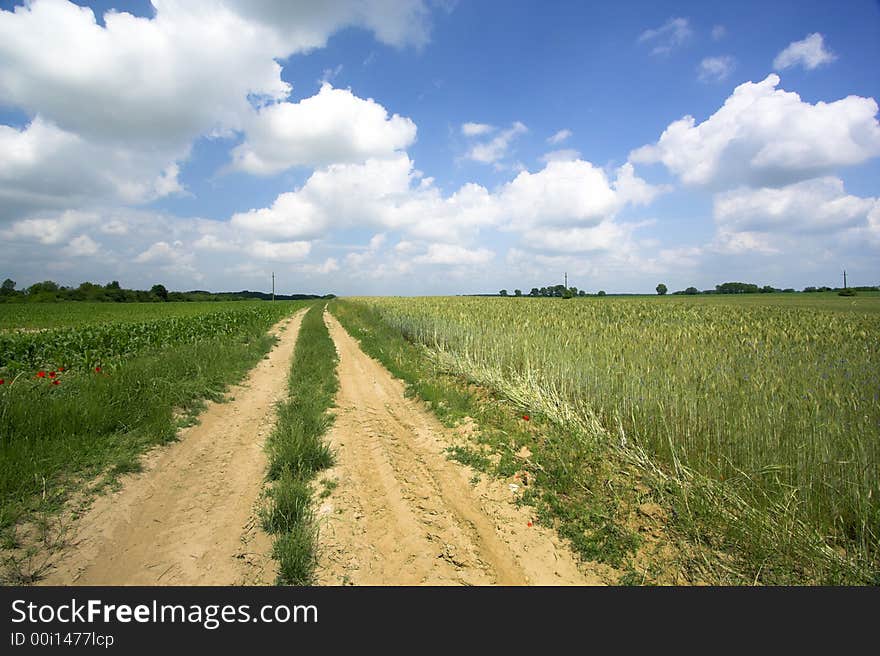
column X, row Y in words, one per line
column 561, row 291
column 49, row 291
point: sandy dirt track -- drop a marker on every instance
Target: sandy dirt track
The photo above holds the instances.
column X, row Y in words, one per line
column 191, row 517
column 403, row 514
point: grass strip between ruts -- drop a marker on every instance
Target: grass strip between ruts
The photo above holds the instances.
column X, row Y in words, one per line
column 297, row 451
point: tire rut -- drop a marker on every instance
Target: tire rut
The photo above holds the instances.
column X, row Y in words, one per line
column 401, row 513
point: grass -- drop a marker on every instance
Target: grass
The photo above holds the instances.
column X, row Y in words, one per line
column 297, row 451
column 754, row 421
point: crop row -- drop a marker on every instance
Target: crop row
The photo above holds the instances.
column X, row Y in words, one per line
column 92, row 345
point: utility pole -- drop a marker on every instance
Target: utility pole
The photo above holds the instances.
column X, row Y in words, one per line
column 566, row 279
column 844, row 278
column 273, row 286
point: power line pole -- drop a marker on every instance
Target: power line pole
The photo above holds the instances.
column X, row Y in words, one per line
column 566, row 279
column 844, row 278
column 273, row 286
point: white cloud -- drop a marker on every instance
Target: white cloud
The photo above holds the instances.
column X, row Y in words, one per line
column 286, row 250
column 559, row 137
column 162, row 252
column 333, row 126
column 673, row 33
column 46, row 167
column 115, row 108
column 819, row 206
column 563, row 155
column 82, row 246
column 476, row 129
column 306, row 26
column 453, row 254
column 718, row 32
column 739, row 243
column 810, row 53
column 605, row 236
column 492, row 151
column 568, row 193
column 53, row 229
column 715, row 69
column 764, row 136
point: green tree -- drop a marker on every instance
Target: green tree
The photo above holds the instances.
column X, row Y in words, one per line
column 503, row 292
column 8, row 288
column 690, row 291
column 535, row 292
column 662, row 289
column 517, row 292
column 601, row 292
column 160, row 291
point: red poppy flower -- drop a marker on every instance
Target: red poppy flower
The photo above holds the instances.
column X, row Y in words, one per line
column 530, row 523
column 97, row 370
column 526, row 417
column 2, row 381
column 60, row 368
column 51, row 374
column 41, row 374
column 56, row 382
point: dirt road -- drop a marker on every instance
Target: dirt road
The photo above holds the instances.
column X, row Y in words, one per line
column 403, row 514
column 190, row 517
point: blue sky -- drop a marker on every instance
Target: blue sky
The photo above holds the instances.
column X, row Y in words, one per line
column 439, row 147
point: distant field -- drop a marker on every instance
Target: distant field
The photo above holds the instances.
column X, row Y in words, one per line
column 55, row 315
column 774, row 397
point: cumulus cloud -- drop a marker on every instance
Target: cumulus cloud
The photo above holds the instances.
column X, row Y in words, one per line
column 809, row 52
column 333, row 126
column 390, row 195
column 812, row 206
column 306, row 26
column 44, row 166
column 664, row 39
column 82, row 246
column 131, row 102
column 764, row 136
column 161, row 251
column 715, row 69
column 51, row 229
column 559, row 137
column 490, row 152
column 476, row 129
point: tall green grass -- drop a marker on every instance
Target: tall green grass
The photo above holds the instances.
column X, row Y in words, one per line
column 765, row 414
column 297, row 451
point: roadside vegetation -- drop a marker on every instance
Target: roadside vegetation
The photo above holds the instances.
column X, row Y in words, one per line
column 92, row 398
column 752, row 427
column 297, row 451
